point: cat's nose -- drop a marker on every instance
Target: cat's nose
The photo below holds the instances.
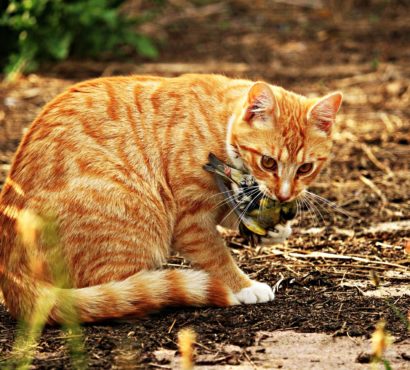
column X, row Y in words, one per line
column 282, row 197
column 284, row 192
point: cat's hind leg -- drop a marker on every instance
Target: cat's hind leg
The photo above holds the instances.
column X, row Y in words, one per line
column 197, row 239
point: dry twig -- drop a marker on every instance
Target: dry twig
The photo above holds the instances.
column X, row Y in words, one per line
column 329, row 255
column 374, row 187
column 375, row 161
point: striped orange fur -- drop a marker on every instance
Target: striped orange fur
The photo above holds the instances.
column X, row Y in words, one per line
column 118, row 163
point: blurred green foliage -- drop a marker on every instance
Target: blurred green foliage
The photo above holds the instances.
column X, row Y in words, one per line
column 36, row 30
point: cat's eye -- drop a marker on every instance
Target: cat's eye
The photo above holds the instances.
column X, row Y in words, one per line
column 268, row 163
column 305, row 168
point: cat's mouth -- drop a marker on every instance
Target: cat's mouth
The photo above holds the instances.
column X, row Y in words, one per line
column 266, row 191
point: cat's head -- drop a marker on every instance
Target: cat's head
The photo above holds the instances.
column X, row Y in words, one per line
column 284, row 139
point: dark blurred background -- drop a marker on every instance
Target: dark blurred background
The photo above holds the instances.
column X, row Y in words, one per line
column 263, row 38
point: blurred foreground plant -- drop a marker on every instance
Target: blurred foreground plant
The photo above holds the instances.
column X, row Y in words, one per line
column 35, row 30
column 186, row 342
column 381, row 340
column 31, row 228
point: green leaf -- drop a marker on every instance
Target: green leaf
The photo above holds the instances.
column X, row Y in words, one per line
column 387, row 364
column 145, row 47
column 59, row 46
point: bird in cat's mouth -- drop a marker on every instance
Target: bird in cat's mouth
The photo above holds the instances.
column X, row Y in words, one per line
column 257, row 212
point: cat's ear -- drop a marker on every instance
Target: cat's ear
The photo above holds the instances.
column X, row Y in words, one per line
column 323, row 113
column 261, row 104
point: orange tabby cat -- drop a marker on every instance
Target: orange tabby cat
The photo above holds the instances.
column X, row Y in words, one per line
column 118, row 162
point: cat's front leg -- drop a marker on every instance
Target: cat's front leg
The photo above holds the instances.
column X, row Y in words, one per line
column 279, row 235
column 201, row 244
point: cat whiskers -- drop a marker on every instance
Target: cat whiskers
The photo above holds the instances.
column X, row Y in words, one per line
column 323, row 202
column 226, row 200
column 309, row 208
column 252, row 193
column 240, row 218
column 314, row 208
column 221, row 193
column 315, row 205
column 241, row 215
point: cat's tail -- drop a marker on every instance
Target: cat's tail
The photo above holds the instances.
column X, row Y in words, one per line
column 136, row 296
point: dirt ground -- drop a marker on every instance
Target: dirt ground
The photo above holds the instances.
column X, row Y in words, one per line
column 342, row 273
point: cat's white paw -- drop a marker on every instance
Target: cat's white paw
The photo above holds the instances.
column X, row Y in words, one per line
column 256, row 293
column 279, row 235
